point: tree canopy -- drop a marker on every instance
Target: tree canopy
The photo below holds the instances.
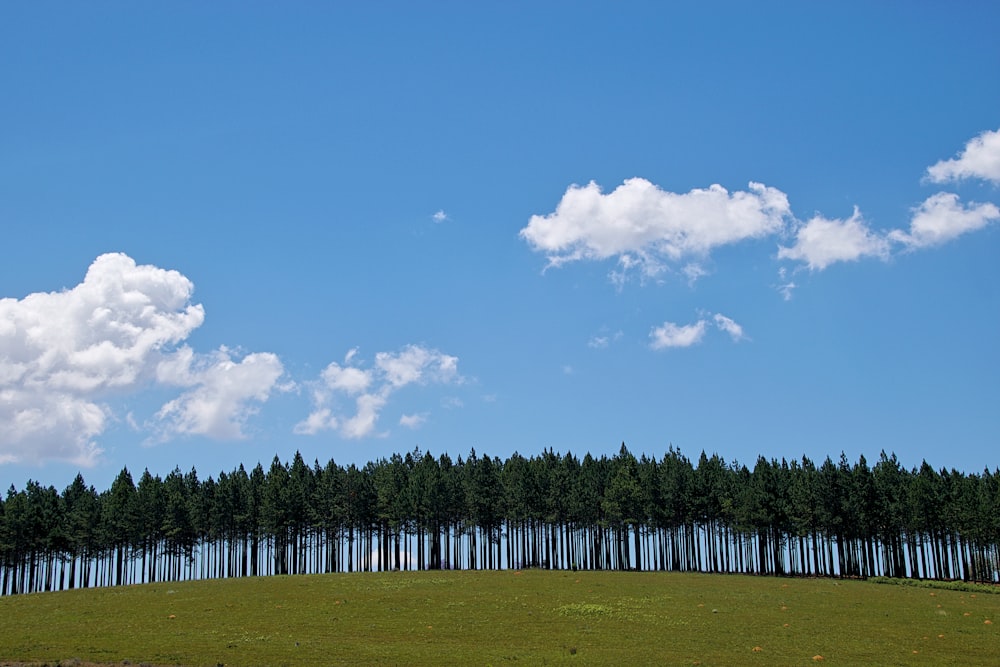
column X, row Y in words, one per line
column 418, row 511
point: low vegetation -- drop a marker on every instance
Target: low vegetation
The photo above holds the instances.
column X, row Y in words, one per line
column 503, row 617
column 968, row 587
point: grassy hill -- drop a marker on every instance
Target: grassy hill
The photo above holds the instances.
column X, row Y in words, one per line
column 501, row 618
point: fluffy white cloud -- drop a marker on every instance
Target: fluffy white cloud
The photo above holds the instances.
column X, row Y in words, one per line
column 672, row 335
column 980, row 159
column 362, row 424
column 416, row 364
column 373, row 387
column 645, row 227
column 36, row 426
column 223, row 393
column 62, row 353
column 941, row 218
column 649, row 230
column 321, row 419
column 822, row 242
column 348, row 379
column 65, row 355
column 99, row 334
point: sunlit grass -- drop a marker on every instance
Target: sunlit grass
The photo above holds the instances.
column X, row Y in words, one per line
column 496, row 618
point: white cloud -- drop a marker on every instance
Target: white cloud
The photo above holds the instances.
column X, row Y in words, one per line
column 223, row 393
column 645, row 227
column 413, row 421
column 734, row 330
column 694, row 271
column 363, row 422
column 348, row 379
column 373, row 387
column 318, row 420
column 98, row 335
column 440, row 216
column 62, row 354
column 980, row 159
column 650, row 231
column 600, row 342
column 672, row 335
column 36, row 427
column 64, row 357
column 787, row 286
column 452, row 403
column 822, row 242
column 416, row 364
column 941, row 218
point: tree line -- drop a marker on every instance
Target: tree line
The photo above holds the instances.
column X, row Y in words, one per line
column 415, row 511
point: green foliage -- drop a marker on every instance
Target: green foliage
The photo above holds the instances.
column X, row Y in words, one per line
column 549, row 511
column 966, row 586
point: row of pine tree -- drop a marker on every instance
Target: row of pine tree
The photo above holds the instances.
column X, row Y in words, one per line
column 416, row 511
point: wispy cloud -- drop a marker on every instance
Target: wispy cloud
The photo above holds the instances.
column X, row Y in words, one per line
column 671, row 335
column 787, row 287
column 371, row 388
column 413, row 421
column 726, row 324
column 452, row 403
column 604, row 340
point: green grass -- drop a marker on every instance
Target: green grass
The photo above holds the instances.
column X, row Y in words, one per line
column 504, row 618
column 967, row 586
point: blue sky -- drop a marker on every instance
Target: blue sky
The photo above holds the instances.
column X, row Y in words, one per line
column 235, row 230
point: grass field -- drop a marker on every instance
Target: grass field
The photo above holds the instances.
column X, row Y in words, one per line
column 503, row 618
